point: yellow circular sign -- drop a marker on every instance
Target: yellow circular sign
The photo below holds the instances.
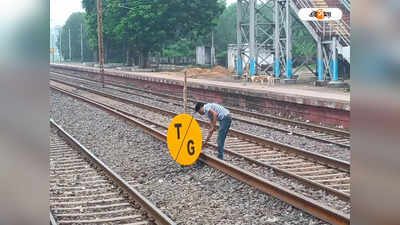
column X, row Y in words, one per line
column 184, row 139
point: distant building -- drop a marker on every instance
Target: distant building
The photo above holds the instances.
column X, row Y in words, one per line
column 203, row 55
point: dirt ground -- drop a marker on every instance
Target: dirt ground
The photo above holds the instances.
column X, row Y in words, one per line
column 218, row 72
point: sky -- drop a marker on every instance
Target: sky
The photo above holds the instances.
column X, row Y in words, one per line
column 60, row 10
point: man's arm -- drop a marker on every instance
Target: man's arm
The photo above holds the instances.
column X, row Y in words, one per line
column 213, row 122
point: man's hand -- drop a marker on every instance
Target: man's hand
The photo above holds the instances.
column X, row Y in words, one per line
column 212, row 128
column 210, row 132
column 205, row 142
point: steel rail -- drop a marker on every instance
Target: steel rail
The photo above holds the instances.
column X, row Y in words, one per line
column 52, row 220
column 148, row 206
column 329, row 161
column 307, row 182
column 280, row 121
column 339, row 132
column 306, row 204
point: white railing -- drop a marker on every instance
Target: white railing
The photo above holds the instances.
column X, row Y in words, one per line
column 327, row 29
column 346, row 4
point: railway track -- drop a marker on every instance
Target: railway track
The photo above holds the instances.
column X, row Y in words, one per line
column 310, row 169
column 320, row 133
column 83, row 190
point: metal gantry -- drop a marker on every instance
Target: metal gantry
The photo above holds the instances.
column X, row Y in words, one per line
column 264, row 39
column 264, row 35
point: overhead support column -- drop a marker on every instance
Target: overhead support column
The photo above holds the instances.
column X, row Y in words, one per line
column 334, row 65
column 320, row 65
column 289, row 59
column 334, row 62
column 239, row 62
column 252, row 40
column 289, row 62
column 277, row 64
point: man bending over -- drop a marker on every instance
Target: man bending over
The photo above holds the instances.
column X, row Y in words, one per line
column 216, row 112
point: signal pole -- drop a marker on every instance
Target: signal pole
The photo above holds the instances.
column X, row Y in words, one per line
column 100, row 38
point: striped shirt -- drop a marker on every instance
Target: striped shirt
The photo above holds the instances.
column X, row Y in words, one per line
column 222, row 112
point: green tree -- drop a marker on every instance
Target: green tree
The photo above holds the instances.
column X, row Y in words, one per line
column 113, row 45
column 303, row 43
column 73, row 23
column 149, row 25
column 225, row 31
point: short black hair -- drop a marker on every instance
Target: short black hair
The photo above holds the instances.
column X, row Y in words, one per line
column 198, row 106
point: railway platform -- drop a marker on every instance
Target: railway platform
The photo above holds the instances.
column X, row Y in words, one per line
column 322, row 105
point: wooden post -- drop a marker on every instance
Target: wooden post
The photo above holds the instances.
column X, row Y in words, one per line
column 185, row 93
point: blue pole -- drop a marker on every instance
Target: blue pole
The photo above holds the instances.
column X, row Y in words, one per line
column 252, row 67
column 289, row 66
column 252, row 37
column 239, row 66
column 334, row 61
column 335, row 71
column 320, row 62
column 277, row 68
column 289, row 62
column 320, row 69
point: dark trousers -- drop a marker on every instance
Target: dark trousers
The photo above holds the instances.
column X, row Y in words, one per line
column 224, row 126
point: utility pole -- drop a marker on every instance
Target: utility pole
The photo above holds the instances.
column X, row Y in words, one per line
column 60, row 51
column 70, row 55
column 212, row 49
column 81, row 43
column 100, row 38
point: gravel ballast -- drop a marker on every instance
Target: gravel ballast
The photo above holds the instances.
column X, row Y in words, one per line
column 316, row 194
column 193, row 195
column 327, row 149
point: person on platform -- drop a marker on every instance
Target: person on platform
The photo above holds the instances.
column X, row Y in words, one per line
column 216, row 112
